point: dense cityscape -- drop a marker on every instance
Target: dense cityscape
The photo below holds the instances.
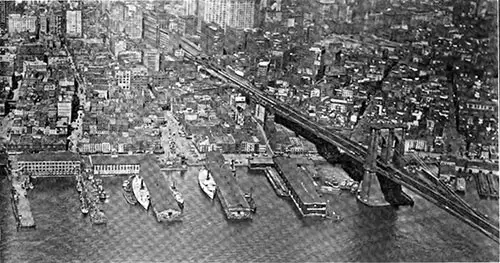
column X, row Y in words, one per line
column 373, row 121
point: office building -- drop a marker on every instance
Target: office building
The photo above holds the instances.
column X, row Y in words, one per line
column 237, row 14
column 151, row 59
column 19, row 24
column 6, row 8
column 74, row 23
column 190, row 7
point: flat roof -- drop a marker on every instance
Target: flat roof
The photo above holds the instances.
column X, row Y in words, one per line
column 299, row 179
column 229, row 188
column 159, row 188
column 117, row 159
column 49, row 156
column 257, row 160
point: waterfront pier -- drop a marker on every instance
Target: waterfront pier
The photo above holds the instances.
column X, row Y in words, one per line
column 20, row 203
column 301, row 187
column 229, row 193
column 163, row 202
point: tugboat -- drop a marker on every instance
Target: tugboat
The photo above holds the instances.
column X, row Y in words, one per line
column 84, row 207
column 207, row 183
column 178, row 196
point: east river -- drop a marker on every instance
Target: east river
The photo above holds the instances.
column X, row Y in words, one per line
column 276, row 234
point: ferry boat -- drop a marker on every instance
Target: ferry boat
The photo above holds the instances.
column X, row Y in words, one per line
column 207, row 183
column 141, row 192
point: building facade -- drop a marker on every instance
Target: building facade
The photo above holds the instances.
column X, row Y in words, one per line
column 238, row 14
column 74, row 23
column 19, row 24
column 47, row 165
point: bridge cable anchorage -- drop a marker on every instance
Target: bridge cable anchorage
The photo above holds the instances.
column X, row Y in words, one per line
column 358, row 153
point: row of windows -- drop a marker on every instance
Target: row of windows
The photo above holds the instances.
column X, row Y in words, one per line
column 50, row 163
column 480, row 107
column 114, row 167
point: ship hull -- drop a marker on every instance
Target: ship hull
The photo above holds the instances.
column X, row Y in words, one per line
column 207, row 183
column 141, row 192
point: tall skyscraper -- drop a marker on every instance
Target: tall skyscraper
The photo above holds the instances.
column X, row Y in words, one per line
column 238, row 14
column 74, row 23
column 191, row 7
column 6, row 7
column 133, row 20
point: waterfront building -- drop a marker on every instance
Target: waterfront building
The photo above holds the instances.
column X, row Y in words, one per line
column 115, row 165
column 50, row 164
column 301, row 187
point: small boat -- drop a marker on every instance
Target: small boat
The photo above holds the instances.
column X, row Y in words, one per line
column 141, row 192
column 79, row 187
column 130, row 198
column 177, row 196
column 85, row 210
column 207, row 183
column 169, row 215
column 85, row 206
column 103, row 195
column 126, row 185
column 251, row 202
column 98, row 217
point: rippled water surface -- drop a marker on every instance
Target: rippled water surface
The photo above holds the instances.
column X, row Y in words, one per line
column 421, row 233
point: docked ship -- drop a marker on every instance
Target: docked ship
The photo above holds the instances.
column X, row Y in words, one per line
column 141, row 192
column 84, row 206
column 177, row 196
column 207, row 183
column 163, row 200
column 128, row 193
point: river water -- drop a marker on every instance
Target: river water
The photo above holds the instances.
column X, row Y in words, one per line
column 276, row 234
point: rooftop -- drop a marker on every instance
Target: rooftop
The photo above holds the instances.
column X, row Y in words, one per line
column 52, row 156
column 117, row 159
column 299, row 179
column 228, row 186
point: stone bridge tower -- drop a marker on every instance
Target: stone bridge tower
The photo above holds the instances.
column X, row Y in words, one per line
column 371, row 192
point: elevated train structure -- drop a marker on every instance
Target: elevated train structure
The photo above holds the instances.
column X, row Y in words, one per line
column 355, row 151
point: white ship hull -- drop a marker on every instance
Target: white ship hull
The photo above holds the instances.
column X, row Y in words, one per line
column 207, row 183
column 141, row 192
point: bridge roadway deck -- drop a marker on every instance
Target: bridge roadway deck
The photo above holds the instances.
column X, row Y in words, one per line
column 359, row 153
